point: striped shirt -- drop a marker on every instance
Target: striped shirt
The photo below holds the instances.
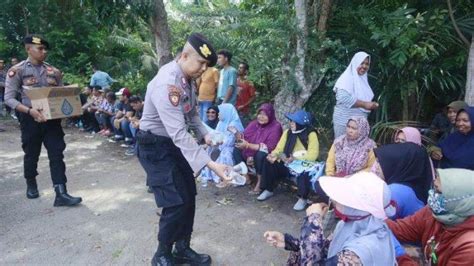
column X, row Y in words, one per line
column 343, row 109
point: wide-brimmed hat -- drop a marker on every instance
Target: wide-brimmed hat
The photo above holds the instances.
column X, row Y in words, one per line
column 362, row 191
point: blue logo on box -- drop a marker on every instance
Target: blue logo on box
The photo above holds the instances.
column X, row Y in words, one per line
column 66, row 108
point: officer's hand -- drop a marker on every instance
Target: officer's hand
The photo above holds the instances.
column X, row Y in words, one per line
column 37, row 115
column 222, row 170
column 207, row 139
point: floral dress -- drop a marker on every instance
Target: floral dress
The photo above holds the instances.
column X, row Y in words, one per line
column 312, row 247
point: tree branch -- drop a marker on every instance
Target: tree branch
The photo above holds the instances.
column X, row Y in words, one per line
column 455, row 25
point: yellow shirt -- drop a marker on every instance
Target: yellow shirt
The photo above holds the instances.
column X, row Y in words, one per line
column 331, row 161
column 208, row 84
column 312, row 151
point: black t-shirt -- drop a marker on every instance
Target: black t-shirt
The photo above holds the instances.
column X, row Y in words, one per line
column 124, row 107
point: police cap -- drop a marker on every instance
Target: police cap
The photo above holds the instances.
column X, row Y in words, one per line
column 203, row 47
column 35, row 39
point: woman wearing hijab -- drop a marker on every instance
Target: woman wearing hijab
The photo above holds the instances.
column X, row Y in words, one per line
column 407, row 170
column 353, row 151
column 353, row 93
column 212, row 114
column 260, row 137
column 299, row 142
column 228, row 117
column 458, row 148
column 445, row 228
column 361, row 237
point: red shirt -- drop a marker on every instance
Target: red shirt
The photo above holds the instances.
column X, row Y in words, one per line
column 246, row 91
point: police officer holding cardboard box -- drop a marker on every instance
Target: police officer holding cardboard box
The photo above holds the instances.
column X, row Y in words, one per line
column 170, row 155
column 35, row 129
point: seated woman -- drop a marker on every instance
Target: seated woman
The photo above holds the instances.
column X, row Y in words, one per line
column 458, row 148
column 350, row 153
column 260, row 137
column 353, row 151
column 407, row 170
column 408, row 134
column 361, row 236
column 299, row 142
column 445, row 228
column 212, row 114
column 228, row 117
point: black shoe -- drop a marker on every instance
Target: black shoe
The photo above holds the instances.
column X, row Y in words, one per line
column 64, row 199
column 183, row 254
column 163, row 256
column 163, row 260
column 31, row 189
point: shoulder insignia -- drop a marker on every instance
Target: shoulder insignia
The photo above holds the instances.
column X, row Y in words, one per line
column 11, row 73
column 174, row 95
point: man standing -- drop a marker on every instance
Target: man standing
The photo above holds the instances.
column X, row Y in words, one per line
column 101, row 78
column 3, row 75
column 170, row 155
column 35, row 129
column 207, row 85
column 227, row 91
column 246, row 93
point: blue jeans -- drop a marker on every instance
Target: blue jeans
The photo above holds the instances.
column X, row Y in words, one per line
column 203, row 106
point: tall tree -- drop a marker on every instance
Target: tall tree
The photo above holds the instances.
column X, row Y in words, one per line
column 291, row 98
column 470, row 75
column 162, row 33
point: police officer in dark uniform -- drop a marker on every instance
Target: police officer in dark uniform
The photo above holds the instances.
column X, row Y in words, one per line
column 35, row 129
column 170, row 155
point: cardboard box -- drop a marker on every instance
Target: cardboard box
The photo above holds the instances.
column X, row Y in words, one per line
column 55, row 102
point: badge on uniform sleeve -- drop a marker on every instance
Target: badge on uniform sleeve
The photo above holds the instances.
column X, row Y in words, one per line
column 174, row 95
column 50, row 70
column 11, row 73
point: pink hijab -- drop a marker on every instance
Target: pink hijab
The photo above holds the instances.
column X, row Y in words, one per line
column 413, row 135
column 352, row 155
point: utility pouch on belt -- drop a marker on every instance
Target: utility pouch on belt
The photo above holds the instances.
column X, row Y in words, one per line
column 146, row 138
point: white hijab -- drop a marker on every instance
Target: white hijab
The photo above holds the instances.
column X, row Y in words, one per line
column 350, row 81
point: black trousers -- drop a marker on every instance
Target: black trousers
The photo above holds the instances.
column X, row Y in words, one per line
column 273, row 173
column 258, row 160
column 33, row 136
column 172, row 181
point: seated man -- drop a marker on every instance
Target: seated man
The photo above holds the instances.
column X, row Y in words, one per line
column 122, row 117
column 134, row 125
column 91, row 107
column 105, row 113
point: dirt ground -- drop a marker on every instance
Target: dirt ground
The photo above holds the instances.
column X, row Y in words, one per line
column 116, row 224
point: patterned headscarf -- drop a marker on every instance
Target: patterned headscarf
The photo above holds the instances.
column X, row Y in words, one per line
column 352, row 155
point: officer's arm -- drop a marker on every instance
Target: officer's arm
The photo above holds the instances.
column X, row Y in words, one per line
column 12, row 87
column 168, row 105
column 197, row 126
column 59, row 78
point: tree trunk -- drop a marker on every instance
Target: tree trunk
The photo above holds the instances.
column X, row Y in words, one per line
column 162, row 33
column 290, row 99
column 470, row 76
column 323, row 17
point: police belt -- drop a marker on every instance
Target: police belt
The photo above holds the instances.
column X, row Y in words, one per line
column 148, row 138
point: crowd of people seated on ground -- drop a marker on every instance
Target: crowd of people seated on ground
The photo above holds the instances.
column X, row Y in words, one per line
column 373, row 200
column 114, row 115
column 380, row 199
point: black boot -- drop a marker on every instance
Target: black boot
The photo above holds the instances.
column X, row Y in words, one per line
column 163, row 256
column 64, row 199
column 183, row 254
column 31, row 189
